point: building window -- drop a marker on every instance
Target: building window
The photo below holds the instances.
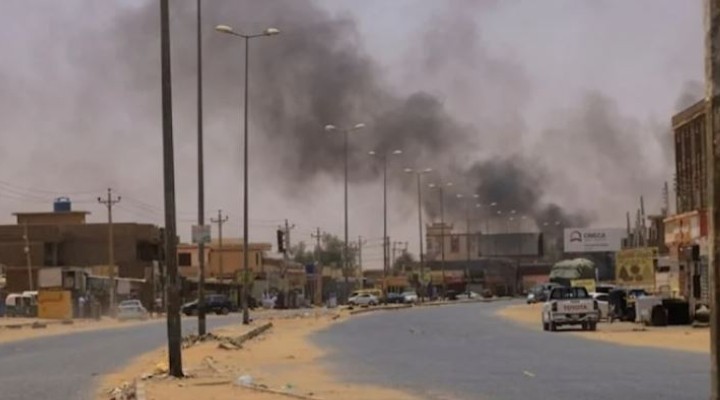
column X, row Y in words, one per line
column 454, row 244
column 428, row 244
column 184, row 259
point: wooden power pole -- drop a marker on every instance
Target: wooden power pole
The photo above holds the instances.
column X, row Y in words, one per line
column 220, row 221
column 109, row 202
column 712, row 88
column 174, row 329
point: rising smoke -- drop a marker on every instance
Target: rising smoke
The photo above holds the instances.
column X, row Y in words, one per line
column 460, row 113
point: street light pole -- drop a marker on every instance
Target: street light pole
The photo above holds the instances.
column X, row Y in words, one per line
column 246, row 242
column 442, row 233
column 346, row 133
column 386, row 240
column 419, row 174
column 174, row 330
column 202, row 326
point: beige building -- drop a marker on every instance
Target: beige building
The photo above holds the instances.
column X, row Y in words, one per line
column 221, row 262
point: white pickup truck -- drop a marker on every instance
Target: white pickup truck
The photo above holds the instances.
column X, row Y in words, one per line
column 570, row 306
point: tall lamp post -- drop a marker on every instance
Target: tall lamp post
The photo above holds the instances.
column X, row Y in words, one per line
column 346, row 132
column 246, row 245
column 383, row 159
column 419, row 173
column 442, row 230
column 467, row 238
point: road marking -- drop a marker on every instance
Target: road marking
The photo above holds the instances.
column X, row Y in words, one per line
column 528, row 373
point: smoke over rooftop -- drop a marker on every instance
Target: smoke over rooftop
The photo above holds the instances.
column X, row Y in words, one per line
column 461, row 110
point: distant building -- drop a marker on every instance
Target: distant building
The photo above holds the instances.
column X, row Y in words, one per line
column 62, row 238
column 476, row 245
column 222, row 262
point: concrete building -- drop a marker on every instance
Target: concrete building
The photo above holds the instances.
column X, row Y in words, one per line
column 62, row 238
column 221, row 262
column 476, row 245
column 690, row 160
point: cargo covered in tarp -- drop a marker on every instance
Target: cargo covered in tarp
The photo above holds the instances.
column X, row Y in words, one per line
column 565, row 271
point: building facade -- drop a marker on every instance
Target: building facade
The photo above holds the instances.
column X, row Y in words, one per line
column 222, row 262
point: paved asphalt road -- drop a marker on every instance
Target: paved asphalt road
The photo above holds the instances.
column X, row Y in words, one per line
column 465, row 352
column 64, row 367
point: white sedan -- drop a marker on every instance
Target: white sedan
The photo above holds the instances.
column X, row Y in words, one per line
column 603, row 300
column 364, row 299
column 128, row 312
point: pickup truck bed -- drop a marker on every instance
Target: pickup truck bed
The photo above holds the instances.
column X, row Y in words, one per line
column 570, row 306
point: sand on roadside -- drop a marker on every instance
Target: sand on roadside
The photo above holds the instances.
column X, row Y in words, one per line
column 283, row 359
column 685, row 338
column 56, row 328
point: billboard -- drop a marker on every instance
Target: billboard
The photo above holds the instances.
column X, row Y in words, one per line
column 582, row 240
column 636, row 267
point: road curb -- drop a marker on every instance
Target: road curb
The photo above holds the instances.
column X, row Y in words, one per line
column 368, row 310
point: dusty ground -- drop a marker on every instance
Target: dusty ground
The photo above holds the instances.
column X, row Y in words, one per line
column 684, row 338
column 282, row 360
column 9, row 334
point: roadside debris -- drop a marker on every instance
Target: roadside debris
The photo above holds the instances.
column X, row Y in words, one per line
column 126, row 391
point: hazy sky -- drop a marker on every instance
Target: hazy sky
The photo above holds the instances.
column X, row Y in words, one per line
column 585, row 89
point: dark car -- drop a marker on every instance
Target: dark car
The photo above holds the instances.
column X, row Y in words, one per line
column 214, row 303
column 395, row 298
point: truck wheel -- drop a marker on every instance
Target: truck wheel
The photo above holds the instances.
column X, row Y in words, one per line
column 584, row 326
column 553, row 326
column 545, row 326
column 658, row 316
column 592, row 326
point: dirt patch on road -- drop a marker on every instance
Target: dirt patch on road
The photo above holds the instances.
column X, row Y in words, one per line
column 685, row 338
column 280, row 362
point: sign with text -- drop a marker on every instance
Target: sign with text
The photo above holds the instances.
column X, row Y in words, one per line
column 583, row 240
column 201, row 234
column 636, row 267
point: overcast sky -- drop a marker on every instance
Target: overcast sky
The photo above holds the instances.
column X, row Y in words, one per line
column 584, row 89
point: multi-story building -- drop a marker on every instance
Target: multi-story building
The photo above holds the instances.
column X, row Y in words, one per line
column 685, row 233
column 223, row 262
column 63, row 238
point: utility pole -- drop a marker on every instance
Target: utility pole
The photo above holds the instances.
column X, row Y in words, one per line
column 109, row 202
column 361, row 242
column 173, row 310
column 712, row 90
column 220, row 221
column 286, row 260
column 394, row 249
column 28, row 260
column 317, row 298
column 202, row 325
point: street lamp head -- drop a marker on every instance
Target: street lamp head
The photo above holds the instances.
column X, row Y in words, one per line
column 396, row 152
column 271, row 31
column 432, row 185
column 408, row 170
column 224, row 29
column 426, row 170
column 330, row 127
column 493, row 204
column 359, row 126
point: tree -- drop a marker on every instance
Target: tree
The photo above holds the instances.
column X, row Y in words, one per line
column 329, row 254
column 404, row 262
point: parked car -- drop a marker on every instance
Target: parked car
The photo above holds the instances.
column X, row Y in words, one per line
column 451, row 295
column 395, row 298
column 132, row 302
column 410, row 297
column 363, row 299
column 214, row 303
column 570, row 306
column 131, row 311
column 468, row 295
column 603, row 301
